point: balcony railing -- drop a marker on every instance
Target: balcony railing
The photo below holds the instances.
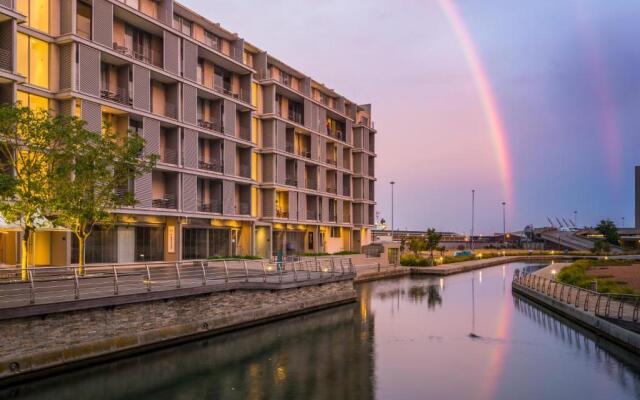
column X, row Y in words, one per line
column 244, row 132
column 346, row 190
column 210, row 166
column 289, row 148
column 169, row 156
column 346, row 217
column 213, row 206
column 6, row 3
column 5, row 60
column 291, row 182
column 123, row 192
column 295, row 117
column 119, row 95
column 333, row 217
column 244, row 208
column 332, row 189
column 335, row 133
column 304, row 153
column 245, row 171
column 170, row 110
column 241, row 95
column 167, row 201
column 332, row 161
column 312, row 215
column 146, row 55
column 311, row 184
column 212, row 125
column 282, row 213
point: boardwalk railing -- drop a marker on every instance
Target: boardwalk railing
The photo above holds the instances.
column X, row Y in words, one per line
column 58, row 284
column 607, row 305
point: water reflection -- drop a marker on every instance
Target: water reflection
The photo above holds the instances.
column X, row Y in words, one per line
column 404, row 339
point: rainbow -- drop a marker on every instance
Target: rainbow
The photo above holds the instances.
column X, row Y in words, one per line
column 487, row 97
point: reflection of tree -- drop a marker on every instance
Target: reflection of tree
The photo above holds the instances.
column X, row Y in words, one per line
column 431, row 293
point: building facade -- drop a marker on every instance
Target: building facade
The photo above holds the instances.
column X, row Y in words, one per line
column 255, row 158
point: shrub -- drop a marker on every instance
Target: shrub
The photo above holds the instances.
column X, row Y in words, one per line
column 345, row 253
column 409, row 260
column 234, row 258
column 576, row 274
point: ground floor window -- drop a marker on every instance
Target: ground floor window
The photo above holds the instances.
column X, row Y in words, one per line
column 149, row 244
column 100, row 247
column 200, row 243
column 294, row 242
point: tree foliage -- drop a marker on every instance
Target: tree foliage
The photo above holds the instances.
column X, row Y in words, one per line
column 433, row 241
column 609, row 230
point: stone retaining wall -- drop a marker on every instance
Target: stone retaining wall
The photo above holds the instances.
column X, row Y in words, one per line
column 31, row 344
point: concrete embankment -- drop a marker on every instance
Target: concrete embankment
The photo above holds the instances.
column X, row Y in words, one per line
column 466, row 266
column 610, row 328
column 73, row 335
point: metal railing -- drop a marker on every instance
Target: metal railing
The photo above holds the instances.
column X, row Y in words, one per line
column 146, row 55
column 295, row 117
column 244, row 132
column 45, row 285
column 169, row 156
column 210, row 166
column 240, row 95
column 244, row 208
column 119, row 95
column 332, row 161
column 607, row 305
column 291, row 181
column 211, row 207
column 312, row 215
column 212, row 125
column 167, row 201
column 282, row 213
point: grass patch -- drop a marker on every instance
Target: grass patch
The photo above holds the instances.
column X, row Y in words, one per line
column 576, row 274
column 410, row 260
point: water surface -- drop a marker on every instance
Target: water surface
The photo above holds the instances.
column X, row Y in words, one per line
column 405, row 339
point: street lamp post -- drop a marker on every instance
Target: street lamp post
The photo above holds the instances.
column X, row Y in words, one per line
column 392, row 185
column 473, row 214
column 504, row 223
column 575, row 218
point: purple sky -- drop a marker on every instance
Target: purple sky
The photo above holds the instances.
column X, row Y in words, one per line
column 565, row 75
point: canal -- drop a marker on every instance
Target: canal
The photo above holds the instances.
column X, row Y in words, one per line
column 405, row 339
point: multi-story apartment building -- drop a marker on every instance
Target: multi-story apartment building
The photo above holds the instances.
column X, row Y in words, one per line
column 255, row 157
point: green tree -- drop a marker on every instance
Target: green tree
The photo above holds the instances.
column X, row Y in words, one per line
column 417, row 245
column 95, row 178
column 27, row 143
column 601, row 247
column 432, row 242
column 609, row 230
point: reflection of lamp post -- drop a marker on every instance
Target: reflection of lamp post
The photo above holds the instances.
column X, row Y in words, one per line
column 504, row 224
column 392, row 185
column 473, row 211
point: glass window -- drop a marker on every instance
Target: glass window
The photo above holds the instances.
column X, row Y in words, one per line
column 22, row 58
column 149, row 244
column 219, row 242
column 39, row 15
column 100, row 247
column 38, row 62
column 194, row 244
column 32, row 101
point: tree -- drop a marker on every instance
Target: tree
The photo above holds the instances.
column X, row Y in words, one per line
column 609, row 230
column 27, row 143
column 601, row 246
column 417, row 245
column 432, row 242
column 95, row 178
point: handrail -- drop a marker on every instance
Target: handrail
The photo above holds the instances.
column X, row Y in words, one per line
column 45, row 285
column 627, row 306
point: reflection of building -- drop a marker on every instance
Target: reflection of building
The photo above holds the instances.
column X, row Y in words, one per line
column 326, row 354
column 255, row 157
column 451, row 240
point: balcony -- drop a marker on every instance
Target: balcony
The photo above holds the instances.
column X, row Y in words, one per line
column 168, row 200
column 289, row 148
column 145, row 55
column 242, row 94
column 312, row 215
column 212, row 125
column 243, row 208
column 282, row 213
column 336, row 134
column 346, row 190
column 170, row 110
column 119, row 95
column 245, row 171
column 5, row 60
column 169, row 156
column 291, row 181
column 125, row 192
column 245, row 132
column 212, row 206
column 210, row 166
column 311, row 184
column 332, row 161
column 332, row 189
column 296, row 117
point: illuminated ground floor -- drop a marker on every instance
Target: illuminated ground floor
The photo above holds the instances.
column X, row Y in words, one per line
column 139, row 238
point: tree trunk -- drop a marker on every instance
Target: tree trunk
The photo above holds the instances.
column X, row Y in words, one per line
column 81, row 242
column 24, row 254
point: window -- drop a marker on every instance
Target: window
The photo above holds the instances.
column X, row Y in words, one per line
column 285, row 78
column 32, row 101
column 219, row 242
column 194, row 244
column 183, row 25
column 211, row 39
column 37, row 13
column 335, row 232
column 33, row 60
column 83, row 20
column 100, row 247
column 149, row 244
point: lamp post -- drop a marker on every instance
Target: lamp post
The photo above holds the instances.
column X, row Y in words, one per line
column 392, row 185
column 575, row 218
column 473, row 213
column 504, row 223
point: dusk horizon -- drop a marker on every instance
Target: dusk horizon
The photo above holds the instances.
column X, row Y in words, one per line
column 560, row 75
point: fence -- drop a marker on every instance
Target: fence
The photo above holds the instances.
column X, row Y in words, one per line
column 58, row 284
column 607, row 305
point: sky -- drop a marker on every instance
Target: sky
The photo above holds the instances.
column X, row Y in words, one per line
column 531, row 102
